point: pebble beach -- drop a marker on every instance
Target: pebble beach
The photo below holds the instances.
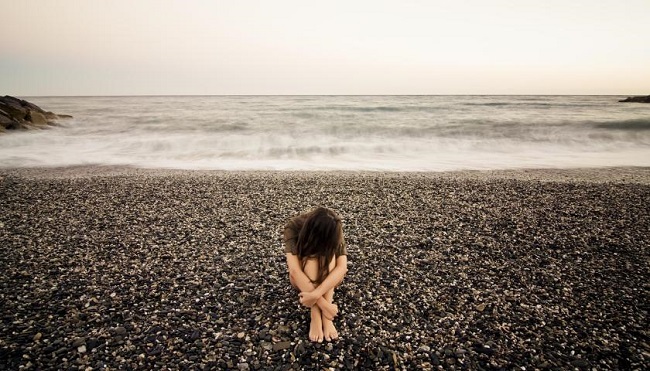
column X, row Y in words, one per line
column 125, row 268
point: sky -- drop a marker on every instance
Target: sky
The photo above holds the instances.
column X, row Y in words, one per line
column 211, row 47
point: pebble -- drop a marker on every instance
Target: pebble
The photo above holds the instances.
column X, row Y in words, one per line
column 467, row 270
column 120, row 331
column 281, row 345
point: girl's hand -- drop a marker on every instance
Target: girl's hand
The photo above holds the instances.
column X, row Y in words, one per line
column 308, row 299
column 329, row 310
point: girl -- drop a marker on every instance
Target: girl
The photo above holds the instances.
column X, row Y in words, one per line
column 317, row 262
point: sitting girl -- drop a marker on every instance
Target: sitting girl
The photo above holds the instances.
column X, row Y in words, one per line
column 317, row 262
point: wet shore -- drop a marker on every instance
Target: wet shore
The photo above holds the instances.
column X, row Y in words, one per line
column 142, row 269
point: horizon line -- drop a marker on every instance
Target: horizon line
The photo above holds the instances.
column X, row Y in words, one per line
column 321, row 95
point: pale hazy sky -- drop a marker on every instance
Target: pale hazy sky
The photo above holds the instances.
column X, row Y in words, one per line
column 132, row 47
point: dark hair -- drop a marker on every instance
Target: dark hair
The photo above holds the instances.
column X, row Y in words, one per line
column 320, row 237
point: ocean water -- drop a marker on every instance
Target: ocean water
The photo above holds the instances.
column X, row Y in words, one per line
column 386, row 133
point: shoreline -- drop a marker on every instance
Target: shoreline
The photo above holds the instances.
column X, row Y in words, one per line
column 632, row 174
column 147, row 268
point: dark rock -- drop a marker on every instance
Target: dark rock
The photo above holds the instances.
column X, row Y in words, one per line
column 299, row 349
column 637, row 99
column 580, row 363
column 484, row 350
column 13, row 107
column 121, row 331
column 53, row 116
column 264, row 334
column 7, row 120
column 21, row 114
column 30, row 106
column 92, row 344
column 155, row 351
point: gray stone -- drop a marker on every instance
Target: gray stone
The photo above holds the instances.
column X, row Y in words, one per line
column 281, row 345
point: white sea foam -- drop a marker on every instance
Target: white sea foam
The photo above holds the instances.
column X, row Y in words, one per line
column 402, row 133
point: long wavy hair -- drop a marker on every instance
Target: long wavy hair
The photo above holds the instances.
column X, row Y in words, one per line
column 320, row 237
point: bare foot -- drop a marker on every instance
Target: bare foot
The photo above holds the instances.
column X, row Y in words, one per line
column 316, row 325
column 329, row 331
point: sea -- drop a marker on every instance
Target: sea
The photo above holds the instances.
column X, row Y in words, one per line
column 352, row 133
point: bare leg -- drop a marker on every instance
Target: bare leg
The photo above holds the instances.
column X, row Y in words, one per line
column 329, row 331
column 316, row 325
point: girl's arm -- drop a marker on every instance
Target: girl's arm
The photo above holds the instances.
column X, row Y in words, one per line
column 309, row 297
column 304, row 285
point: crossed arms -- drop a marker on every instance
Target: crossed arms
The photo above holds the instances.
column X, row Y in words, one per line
column 311, row 294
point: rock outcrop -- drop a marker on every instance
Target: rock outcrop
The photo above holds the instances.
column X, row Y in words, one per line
column 17, row 114
column 639, row 99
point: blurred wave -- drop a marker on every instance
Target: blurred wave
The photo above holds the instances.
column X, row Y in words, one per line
column 396, row 133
